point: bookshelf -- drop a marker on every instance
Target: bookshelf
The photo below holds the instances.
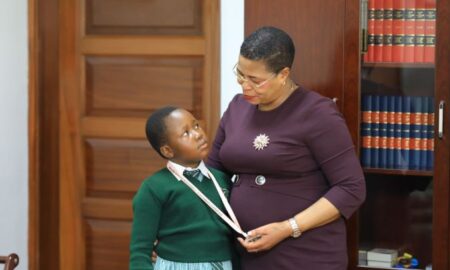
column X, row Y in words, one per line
column 399, row 148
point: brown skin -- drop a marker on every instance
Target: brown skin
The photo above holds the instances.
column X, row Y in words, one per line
column 187, row 143
column 269, row 96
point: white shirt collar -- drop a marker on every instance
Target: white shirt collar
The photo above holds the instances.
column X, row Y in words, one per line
column 179, row 169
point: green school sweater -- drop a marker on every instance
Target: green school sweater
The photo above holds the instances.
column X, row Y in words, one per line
column 186, row 228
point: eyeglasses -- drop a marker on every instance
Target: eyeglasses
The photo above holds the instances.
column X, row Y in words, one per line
column 241, row 79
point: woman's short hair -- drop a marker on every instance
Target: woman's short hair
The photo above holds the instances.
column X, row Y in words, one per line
column 155, row 128
column 271, row 45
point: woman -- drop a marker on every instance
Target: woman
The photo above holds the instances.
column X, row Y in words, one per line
column 298, row 175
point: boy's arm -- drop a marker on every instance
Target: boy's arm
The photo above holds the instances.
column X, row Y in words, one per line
column 146, row 215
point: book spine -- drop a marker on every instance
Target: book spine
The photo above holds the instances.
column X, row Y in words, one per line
column 416, row 125
column 410, row 25
column 365, row 130
column 430, row 142
column 419, row 41
column 424, row 133
column 398, row 31
column 375, row 132
column 390, row 133
column 382, row 159
column 430, row 31
column 378, row 30
column 406, row 131
column 387, row 30
column 369, row 56
column 398, row 132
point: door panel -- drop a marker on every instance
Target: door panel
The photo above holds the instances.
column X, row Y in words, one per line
column 128, row 60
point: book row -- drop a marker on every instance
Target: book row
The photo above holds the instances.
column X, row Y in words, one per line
column 397, row 132
column 401, row 31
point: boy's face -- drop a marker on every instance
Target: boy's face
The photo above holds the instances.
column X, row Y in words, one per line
column 186, row 144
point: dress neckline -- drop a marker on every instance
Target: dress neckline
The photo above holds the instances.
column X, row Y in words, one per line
column 285, row 103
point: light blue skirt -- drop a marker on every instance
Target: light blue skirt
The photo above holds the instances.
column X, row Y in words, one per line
column 162, row 264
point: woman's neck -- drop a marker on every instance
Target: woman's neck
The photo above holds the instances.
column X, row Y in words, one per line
column 289, row 88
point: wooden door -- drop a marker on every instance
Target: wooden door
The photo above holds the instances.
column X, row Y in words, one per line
column 119, row 61
column 326, row 38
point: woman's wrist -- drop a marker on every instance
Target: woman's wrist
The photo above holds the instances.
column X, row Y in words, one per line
column 286, row 229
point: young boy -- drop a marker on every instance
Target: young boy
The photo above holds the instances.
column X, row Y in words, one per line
column 190, row 234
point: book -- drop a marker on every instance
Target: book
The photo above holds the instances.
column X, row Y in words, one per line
column 375, row 133
column 410, row 27
column 391, row 133
column 430, row 31
column 406, row 132
column 398, row 132
column 387, row 29
column 380, row 264
column 378, row 31
column 383, row 140
column 369, row 56
column 398, row 31
column 366, row 108
column 382, row 255
column 419, row 41
column 416, row 134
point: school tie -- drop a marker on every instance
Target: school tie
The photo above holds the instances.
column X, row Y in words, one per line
column 217, row 266
column 196, row 174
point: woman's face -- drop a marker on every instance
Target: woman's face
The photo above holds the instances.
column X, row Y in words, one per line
column 259, row 85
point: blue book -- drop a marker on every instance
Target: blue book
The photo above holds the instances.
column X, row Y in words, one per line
column 430, row 141
column 390, row 133
column 382, row 158
column 424, row 133
column 398, row 132
column 406, row 131
column 375, row 132
column 415, row 132
column 366, row 108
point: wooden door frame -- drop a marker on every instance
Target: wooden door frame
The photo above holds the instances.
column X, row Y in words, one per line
column 42, row 31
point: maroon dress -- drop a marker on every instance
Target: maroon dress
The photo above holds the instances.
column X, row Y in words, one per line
column 310, row 155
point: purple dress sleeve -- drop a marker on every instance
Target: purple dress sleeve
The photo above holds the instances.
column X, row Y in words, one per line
column 331, row 145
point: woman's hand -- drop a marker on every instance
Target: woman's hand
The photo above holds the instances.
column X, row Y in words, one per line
column 266, row 237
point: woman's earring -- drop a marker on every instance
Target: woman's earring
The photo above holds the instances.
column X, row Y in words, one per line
column 284, row 82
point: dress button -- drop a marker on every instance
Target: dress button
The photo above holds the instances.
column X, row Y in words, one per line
column 260, row 180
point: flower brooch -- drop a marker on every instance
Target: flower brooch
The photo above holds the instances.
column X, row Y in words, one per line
column 261, row 141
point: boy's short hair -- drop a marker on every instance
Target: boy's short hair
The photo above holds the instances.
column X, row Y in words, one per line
column 155, row 128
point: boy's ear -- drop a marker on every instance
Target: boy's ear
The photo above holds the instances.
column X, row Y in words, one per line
column 166, row 151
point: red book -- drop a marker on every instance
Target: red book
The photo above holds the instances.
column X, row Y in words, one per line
column 430, row 31
column 387, row 30
column 419, row 41
column 369, row 56
column 398, row 31
column 410, row 26
column 378, row 31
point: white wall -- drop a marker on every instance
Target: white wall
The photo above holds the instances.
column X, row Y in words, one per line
column 232, row 35
column 13, row 129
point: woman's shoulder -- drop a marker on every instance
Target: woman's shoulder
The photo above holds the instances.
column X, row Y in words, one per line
column 316, row 103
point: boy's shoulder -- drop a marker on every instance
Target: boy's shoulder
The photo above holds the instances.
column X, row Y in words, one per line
column 157, row 178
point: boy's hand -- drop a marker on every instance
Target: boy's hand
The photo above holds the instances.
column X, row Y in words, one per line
column 154, row 255
column 266, row 237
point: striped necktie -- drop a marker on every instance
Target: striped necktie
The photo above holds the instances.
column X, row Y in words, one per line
column 196, row 174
